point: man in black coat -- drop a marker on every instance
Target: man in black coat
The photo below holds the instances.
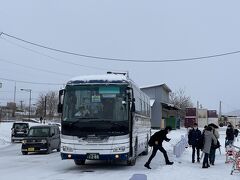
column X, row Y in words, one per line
column 229, row 135
column 194, row 137
column 159, row 137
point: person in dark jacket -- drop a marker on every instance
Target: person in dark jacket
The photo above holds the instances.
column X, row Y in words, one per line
column 194, row 136
column 229, row 135
column 159, row 137
column 236, row 133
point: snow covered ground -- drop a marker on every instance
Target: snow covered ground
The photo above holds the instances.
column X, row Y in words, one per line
column 13, row 165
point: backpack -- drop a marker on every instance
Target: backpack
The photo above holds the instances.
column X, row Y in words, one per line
column 216, row 146
column 200, row 143
column 151, row 141
column 236, row 132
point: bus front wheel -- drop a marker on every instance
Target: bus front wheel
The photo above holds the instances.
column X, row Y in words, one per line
column 132, row 160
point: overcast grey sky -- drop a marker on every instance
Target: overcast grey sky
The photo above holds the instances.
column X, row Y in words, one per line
column 128, row 29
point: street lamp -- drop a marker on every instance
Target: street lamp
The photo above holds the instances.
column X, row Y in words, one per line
column 30, row 92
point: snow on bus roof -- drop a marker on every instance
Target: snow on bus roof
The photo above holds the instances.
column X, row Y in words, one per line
column 105, row 77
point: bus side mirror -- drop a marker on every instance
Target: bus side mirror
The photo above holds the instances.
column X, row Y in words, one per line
column 133, row 106
column 60, row 108
column 60, row 101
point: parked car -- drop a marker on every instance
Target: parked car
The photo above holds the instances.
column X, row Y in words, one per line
column 19, row 131
column 42, row 138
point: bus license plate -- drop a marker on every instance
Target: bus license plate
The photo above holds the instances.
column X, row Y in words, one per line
column 92, row 156
column 30, row 149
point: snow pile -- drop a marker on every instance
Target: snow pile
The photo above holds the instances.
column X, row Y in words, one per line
column 14, row 165
column 5, row 134
column 3, row 143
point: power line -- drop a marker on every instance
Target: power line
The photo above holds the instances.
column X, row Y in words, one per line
column 30, row 82
column 31, row 67
column 55, row 59
column 10, row 99
column 10, row 91
column 120, row 59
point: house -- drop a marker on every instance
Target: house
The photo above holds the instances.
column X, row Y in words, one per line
column 162, row 112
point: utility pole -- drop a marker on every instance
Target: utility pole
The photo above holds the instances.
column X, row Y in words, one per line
column 14, row 100
column 30, row 98
column 220, row 111
column 14, row 97
column 21, row 105
column 197, row 111
column 45, row 107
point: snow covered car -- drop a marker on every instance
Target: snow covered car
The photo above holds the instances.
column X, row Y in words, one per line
column 42, row 138
column 19, row 131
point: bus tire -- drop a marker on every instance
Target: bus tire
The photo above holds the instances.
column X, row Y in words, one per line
column 79, row 162
column 132, row 161
column 24, row 152
column 49, row 150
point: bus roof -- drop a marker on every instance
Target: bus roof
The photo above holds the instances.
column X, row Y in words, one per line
column 106, row 78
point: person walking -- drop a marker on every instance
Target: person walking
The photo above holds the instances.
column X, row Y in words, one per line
column 158, row 139
column 41, row 119
column 213, row 147
column 229, row 135
column 194, row 136
column 208, row 138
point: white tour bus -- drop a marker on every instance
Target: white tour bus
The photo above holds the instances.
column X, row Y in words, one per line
column 105, row 117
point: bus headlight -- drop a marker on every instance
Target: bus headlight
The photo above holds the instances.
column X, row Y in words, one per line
column 67, row 148
column 119, row 149
column 44, row 141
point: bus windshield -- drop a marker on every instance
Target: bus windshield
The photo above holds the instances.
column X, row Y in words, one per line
column 95, row 103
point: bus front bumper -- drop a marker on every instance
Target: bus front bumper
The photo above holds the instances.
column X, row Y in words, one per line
column 91, row 156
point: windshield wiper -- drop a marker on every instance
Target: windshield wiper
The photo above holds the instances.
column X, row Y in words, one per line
column 79, row 120
column 110, row 122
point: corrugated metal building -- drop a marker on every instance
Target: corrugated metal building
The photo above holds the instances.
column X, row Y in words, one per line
column 162, row 112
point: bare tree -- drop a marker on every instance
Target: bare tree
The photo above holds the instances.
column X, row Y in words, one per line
column 181, row 100
column 40, row 105
column 52, row 101
column 47, row 104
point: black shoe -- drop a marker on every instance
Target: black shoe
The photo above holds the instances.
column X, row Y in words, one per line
column 212, row 163
column 198, row 161
column 147, row 166
column 208, row 165
column 204, row 167
column 193, row 161
column 169, row 163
